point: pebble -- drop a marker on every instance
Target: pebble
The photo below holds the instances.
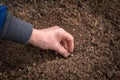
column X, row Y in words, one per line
column 20, row 70
column 92, row 47
column 0, row 74
column 56, row 53
column 34, row 64
column 71, row 55
column 39, row 15
column 77, row 43
column 56, row 57
column 73, row 29
column 60, row 9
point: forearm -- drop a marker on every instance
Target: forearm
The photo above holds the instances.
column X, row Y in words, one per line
column 16, row 30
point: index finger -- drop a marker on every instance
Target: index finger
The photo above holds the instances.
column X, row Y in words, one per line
column 70, row 41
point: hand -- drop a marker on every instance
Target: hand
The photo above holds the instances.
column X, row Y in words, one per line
column 54, row 38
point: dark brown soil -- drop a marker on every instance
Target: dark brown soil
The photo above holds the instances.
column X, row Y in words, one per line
column 95, row 25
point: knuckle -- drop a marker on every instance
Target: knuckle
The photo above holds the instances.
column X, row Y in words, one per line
column 56, row 26
column 61, row 30
column 72, row 38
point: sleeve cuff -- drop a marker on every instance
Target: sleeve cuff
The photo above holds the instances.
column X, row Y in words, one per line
column 16, row 30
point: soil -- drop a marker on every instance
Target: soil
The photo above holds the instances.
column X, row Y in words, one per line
column 95, row 25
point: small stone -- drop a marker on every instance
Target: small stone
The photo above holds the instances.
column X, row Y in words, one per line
column 80, row 34
column 34, row 64
column 33, row 10
column 20, row 70
column 71, row 55
column 92, row 47
column 77, row 43
column 101, row 28
column 0, row 74
column 39, row 15
column 56, row 53
column 73, row 29
column 60, row 9
column 56, row 57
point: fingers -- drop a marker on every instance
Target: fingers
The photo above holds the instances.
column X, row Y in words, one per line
column 60, row 49
column 70, row 41
column 64, row 44
column 68, row 38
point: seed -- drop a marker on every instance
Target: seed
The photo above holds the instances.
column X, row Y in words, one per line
column 56, row 57
column 34, row 64
column 56, row 53
column 71, row 55
column 0, row 74
column 20, row 70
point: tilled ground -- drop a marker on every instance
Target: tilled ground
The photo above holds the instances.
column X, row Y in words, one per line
column 95, row 25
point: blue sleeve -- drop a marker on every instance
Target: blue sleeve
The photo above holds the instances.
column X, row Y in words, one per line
column 3, row 12
column 12, row 28
column 15, row 29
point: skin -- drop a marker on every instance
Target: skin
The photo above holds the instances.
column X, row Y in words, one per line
column 54, row 38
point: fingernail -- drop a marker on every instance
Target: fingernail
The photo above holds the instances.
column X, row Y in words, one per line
column 66, row 55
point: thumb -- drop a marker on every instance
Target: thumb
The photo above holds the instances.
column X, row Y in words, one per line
column 60, row 49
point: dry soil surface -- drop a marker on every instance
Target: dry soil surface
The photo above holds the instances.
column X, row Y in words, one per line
column 95, row 25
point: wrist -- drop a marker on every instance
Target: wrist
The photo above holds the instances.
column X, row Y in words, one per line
column 33, row 36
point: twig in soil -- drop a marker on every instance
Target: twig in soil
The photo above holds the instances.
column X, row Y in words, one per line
column 34, row 64
column 29, row 69
column 96, row 23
